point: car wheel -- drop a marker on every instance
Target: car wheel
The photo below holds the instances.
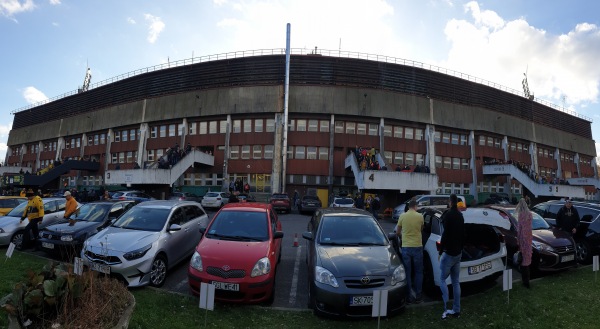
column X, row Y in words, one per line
column 158, row 273
column 17, row 240
column 583, row 253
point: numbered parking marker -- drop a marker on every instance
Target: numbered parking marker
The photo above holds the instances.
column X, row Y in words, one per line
column 507, row 280
column 207, row 296
column 596, row 264
column 380, row 298
column 10, row 250
column 78, row 266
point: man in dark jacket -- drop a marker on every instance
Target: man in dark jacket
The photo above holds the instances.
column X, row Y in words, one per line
column 567, row 218
column 451, row 247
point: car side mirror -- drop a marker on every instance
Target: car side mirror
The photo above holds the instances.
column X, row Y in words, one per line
column 307, row 236
column 392, row 236
column 278, row 235
column 174, row 227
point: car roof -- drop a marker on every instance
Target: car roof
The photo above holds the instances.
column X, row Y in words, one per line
column 165, row 204
column 486, row 216
column 13, row 197
column 250, row 206
column 575, row 203
column 344, row 211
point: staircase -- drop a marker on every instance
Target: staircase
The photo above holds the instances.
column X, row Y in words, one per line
column 54, row 173
column 391, row 180
column 158, row 176
column 553, row 190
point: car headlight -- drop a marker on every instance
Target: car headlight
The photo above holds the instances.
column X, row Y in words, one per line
column 540, row 246
column 262, row 267
column 67, row 238
column 399, row 275
column 196, row 261
column 138, row 253
column 323, row 275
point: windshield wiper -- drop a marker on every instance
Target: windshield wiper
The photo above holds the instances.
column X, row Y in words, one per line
column 232, row 237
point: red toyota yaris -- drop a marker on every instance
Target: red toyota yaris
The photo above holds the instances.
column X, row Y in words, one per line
column 238, row 254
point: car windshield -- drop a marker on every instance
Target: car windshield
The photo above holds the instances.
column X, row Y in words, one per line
column 350, row 231
column 211, row 195
column 239, row 225
column 18, row 210
column 538, row 222
column 92, row 212
column 344, row 201
column 310, row 198
column 117, row 194
column 143, row 219
column 279, row 196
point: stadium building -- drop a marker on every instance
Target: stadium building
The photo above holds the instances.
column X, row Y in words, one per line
column 432, row 130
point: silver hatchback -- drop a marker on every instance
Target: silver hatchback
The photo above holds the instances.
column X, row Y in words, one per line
column 146, row 241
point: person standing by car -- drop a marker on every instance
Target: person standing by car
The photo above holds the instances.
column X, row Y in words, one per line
column 359, row 202
column 70, row 207
column 410, row 228
column 451, row 247
column 524, row 235
column 34, row 212
column 567, row 218
column 375, row 205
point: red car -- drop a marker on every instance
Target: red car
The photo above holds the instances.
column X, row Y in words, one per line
column 238, row 253
column 281, row 201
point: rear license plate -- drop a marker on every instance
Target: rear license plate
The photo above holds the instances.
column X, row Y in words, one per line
column 48, row 245
column 102, row 268
column 226, row 286
column 480, row 268
column 567, row 258
column 361, row 300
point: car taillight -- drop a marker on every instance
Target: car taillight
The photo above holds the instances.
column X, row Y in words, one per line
column 181, row 198
column 438, row 246
column 122, row 198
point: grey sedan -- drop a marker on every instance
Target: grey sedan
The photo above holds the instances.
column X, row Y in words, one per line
column 349, row 256
column 146, row 241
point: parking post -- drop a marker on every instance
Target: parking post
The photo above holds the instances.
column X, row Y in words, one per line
column 507, row 283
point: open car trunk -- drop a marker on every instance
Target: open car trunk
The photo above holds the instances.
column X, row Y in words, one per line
column 480, row 241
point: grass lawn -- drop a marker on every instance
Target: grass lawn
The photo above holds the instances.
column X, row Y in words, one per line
column 563, row 300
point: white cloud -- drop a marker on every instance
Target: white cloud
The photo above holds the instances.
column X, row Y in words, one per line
column 55, row 24
column 130, row 20
column 55, row 2
column 557, row 66
column 32, row 95
column 10, row 7
column 155, row 28
column 219, row 2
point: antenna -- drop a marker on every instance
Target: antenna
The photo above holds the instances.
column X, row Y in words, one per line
column 86, row 80
column 564, row 101
column 526, row 86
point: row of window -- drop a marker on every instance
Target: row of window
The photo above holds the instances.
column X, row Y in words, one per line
column 50, row 146
column 127, row 135
column 450, row 138
column 571, row 158
column 490, row 141
column 124, row 157
column 243, row 152
column 74, row 142
column 308, row 152
column 519, row 147
column 456, row 188
column 404, row 158
column 97, row 139
column 452, row 163
column 546, row 153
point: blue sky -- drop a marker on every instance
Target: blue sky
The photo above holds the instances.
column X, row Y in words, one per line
column 47, row 44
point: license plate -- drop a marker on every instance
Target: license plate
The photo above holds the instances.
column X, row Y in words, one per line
column 567, row 258
column 361, row 300
column 102, row 268
column 48, row 245
column 226, row 286
column 480, row 268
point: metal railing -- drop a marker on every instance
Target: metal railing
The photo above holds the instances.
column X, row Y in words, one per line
column 304, row 51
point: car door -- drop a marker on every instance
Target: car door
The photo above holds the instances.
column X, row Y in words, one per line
column 275, row 226
column 177, row 244
column 195, row 219
column 51, row 213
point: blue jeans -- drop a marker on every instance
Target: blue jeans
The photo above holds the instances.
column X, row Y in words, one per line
column 450, row 265
column 412, row 257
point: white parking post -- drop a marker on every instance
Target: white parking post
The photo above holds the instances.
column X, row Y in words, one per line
column 207, row 298
column 507, row 280
column 78, row 266
column 595, row 267
column 9, row 251
column 380, row 298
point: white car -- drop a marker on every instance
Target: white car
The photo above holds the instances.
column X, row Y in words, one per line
column 344, row 202
column 215, row 199
column 146, row 241
column 430, row 201
column 12, row 229
column 484, row 248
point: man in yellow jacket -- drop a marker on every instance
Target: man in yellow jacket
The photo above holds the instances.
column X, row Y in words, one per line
column 34, row 212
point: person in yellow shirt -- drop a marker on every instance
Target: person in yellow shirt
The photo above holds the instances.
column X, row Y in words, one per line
column 410, row 227
column 71, row 206
column 34, row 212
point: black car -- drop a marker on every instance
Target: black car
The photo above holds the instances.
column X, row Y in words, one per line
column 587, row 238
column 348, row 257
column 66, row 237
column 309, row 203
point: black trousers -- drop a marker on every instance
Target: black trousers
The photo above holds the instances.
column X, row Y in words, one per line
column 33, row 227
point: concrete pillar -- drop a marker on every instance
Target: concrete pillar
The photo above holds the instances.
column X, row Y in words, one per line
column 37, row 156
column 84, row 143
column 60, row 145
column 142, row 155
column 277, row 153
column 473, row 187
column 382, row 139
column 109, row 137
column 559, row 163
column 331, row 147
column 533, row 154
column 225, row 183
column 595, row 166
column 508, row 184
column 576, row 159
column 430, row 142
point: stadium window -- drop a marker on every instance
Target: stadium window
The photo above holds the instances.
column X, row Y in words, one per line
column 481, row 140
column 270, row 125
column 203, row 128
column 373, row 129
column 350, row 128
column 268, row 151
column 464, row 164
column 129, row 157
column 398, row 132
column 257, row 151
column 409, row 158
column 124, row 135
column 114, row 157
column 258, row 125
column 387, row 131
column 361, row 129
column 463, row 139
column 172, row 130
column 437, row 136
column 446, row 138
column 150, row 155
column 339, row 127
column 398, row 158
column 513, row 146
column 247, row 125
column 132, row 134
column 447, row 162
column 313, row 125
column 300, row 152
column 438, row 161
column 97, row 139
column 163, row 131
column 290, row 152
column 121, row 157
column 420, row 159
column 90, row 142
column 237, row 126
column 408, row 133
column 490, row 141
column 223, row 126
column 192, row 128
column 117, row 136
column 324, row 126
column 212, row 127
column 102, row 138
column 454, row 139
column 311, row 152
column 292, row 125
column 301, row 125
column 234, row 152
column 455, row 163
column 323, row 153
column 245, row 152
column 388, row 155
column 418, row 134
column 497, row 142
